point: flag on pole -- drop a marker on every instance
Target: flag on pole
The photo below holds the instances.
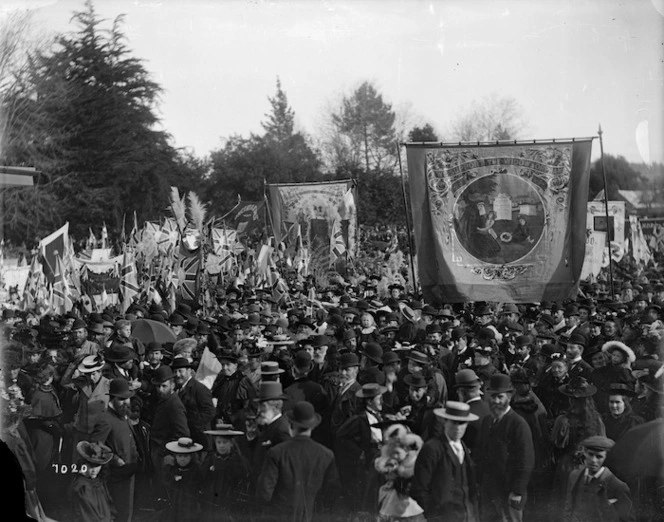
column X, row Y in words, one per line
column 35, row 284
column 123, row 235
column 59, row 293
column 52, row 246
column 128, row 280
column 337, row 243
column 104, row 297
column 104, row 236
column 640, row 250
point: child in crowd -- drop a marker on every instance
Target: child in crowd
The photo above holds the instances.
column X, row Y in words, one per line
column 182, row 480
column 225, row 473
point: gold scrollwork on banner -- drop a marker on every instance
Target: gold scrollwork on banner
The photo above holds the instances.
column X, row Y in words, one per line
column 504, row 273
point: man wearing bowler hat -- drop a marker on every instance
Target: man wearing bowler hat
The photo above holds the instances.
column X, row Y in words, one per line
column 468, row 390
column 444, row 481
column 273, row 426
column 195, row 397
column 114, row 430
column 504, row 455
column 574, row 346
column 303, row 388
column 343, row 392
column 297, row 471
column 169, row 421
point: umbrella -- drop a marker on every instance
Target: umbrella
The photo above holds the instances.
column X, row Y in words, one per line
column 147, row 330
column 640, row 452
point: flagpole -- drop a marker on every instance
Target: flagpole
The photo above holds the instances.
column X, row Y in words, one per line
column 606, row 206
column 268, row 215
column 405, row 207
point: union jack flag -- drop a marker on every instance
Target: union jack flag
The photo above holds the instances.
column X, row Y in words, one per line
column 189, row 270
column 128, row 280
column 337, row 243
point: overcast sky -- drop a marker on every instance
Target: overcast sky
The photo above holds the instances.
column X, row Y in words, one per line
column 570, row 64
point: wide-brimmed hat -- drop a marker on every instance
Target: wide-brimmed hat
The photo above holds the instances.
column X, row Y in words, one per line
column 270, row 368
column 303, row 415
column 456, row 411
column 91, row 363
column 119, row 353
column 374, row 352
column 408, row 313
column 621, row 388
column 416, row 380
column 370, row 390
column 500, row 383
column 347, row 360
column 224, row 430
column 578, row 387
column 161, row 375
column 227, row 355
column 418, row 357
column 617, row 345
column 466, row 378
column 270, row 391
column 120, row 388
column 183, row 445
column 94, row 452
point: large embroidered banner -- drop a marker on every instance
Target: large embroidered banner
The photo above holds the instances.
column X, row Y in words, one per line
column 315, row 207
column 499, row 222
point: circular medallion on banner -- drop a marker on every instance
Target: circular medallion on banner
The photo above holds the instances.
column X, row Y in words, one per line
column 499, row 218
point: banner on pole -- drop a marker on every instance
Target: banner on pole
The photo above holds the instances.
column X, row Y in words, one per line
column 615, row 229
column 247, row 218
column 653, row 231
column 51, row 247
column 314, row 207
column 594, row 259
column 499, row 222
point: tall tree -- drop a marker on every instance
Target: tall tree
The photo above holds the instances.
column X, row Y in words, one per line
column 364, row 131
column 282, row 154
column 87, row 119
column 620, row 175
column 423, row 134
column 492, row 118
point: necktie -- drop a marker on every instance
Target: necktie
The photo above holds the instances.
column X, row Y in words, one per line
column 458, row 450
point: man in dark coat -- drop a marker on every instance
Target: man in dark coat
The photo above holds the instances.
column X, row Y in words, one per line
column 196, row 398
column 274, row 427
column 504, row 455
column 444, row 480
column 170, row 419
column 114, row 430
column 232, row 389
column 594, row 493
column 296, row 471
column 467, row 385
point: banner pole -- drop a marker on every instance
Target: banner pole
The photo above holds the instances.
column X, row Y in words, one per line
column 606, row 206
column 405, row 208
column 267, row 211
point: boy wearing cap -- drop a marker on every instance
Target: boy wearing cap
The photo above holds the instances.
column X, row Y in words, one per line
column 594, row 493
column 444, row 481
column 296, row 471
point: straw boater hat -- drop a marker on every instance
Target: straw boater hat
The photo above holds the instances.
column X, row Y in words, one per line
column 270, row 368
column 183, row 445
column 370, row 390
column 94, row 453
column 224, row 430
column 456, row 411
column 91, row 363
column 617, row 345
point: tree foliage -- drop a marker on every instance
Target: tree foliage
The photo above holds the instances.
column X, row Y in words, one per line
column 84, row 114
column 489, row 119
column 423, row 134
column 620, row 175
column 242, row 165
column 363, row 131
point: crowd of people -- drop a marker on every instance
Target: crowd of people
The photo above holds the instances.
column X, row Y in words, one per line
column 358, row 404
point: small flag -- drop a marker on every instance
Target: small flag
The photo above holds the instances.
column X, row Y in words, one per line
column 104, row 236
column 59, row 293
column 104, row 297
column 128, row 280
column 337, row 243
column 34, row 284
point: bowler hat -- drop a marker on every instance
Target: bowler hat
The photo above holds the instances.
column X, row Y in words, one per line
column 510, row 308
column 94, row 453
column 466, row 378
column 390, row 358
column 120, row 388
column 347, row 360
column 458, row 333
column 374, row 352
column 270, row 391
column 161, row 375
column 78, row 324
column 523, row 340
column 96, row 328
column 575, row 338
column 416, row 380
column 456, row 411
column 120, row 353
column 154, row 346
column 227, row 355
column 302, row 361
column 500, row 383
column 303, row 415
column 182, row 362
column 370, row 390
column 176, row 320
column 320, row 340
